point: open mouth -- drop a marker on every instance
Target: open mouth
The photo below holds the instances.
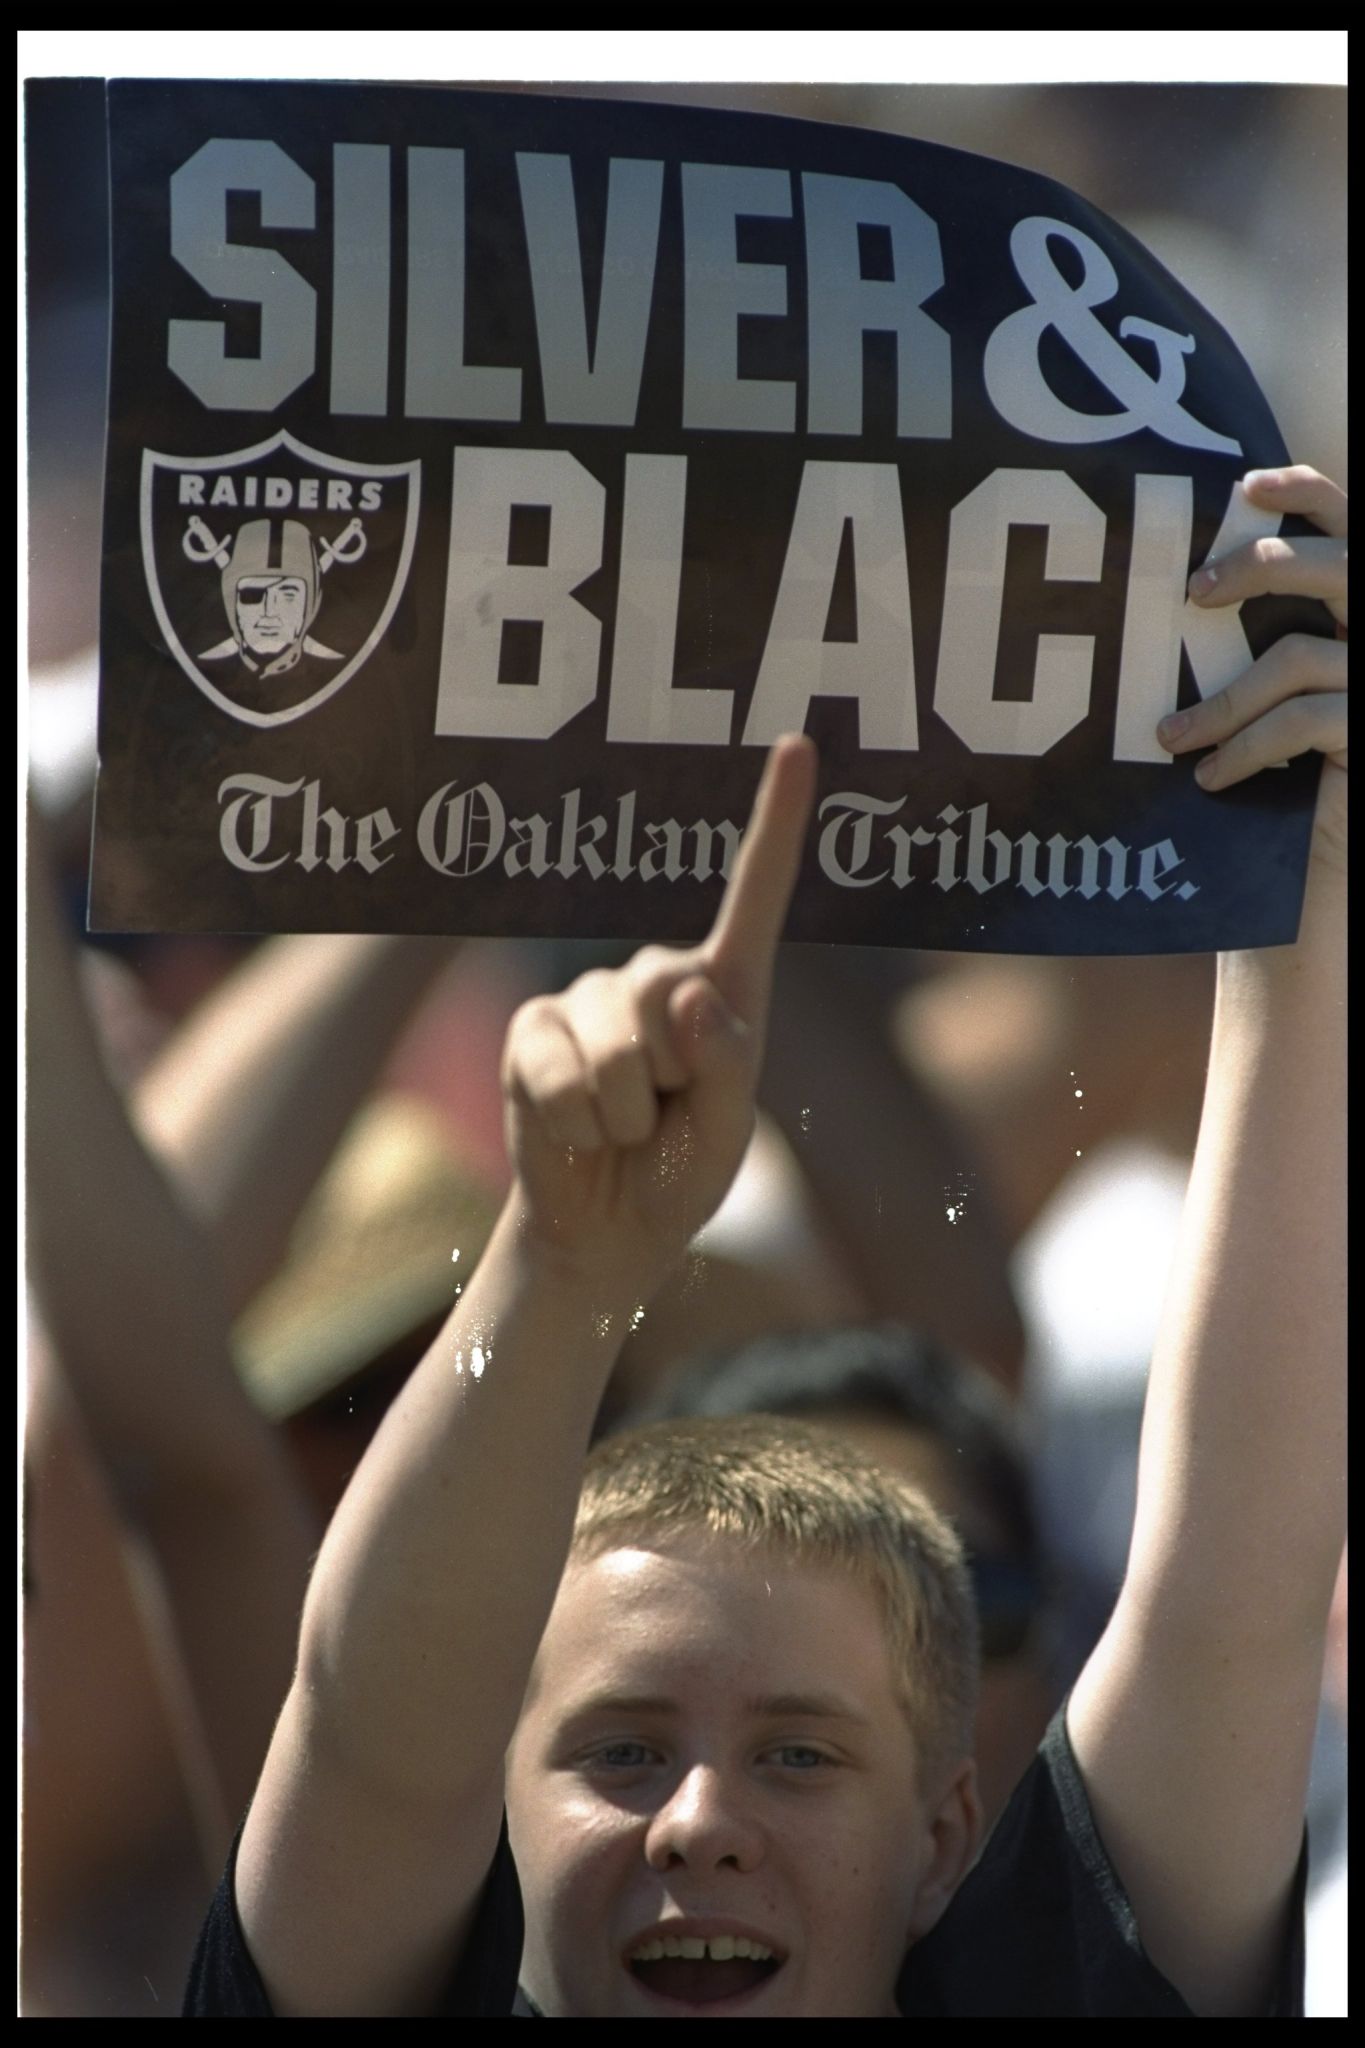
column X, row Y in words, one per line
column 710, row 1972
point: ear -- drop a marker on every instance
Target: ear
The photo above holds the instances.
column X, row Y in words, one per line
column 954, row 1831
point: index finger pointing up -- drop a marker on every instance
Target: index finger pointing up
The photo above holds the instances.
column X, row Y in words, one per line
column 743, row 943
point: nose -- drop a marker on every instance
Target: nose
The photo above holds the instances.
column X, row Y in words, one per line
column 705, row 1824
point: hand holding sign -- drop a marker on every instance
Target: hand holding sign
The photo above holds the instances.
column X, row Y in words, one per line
column 631, row 1096
column 1293, row 699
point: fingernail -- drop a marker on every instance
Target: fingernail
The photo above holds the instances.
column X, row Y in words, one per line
column 1203, row 580
column 1262, row 479
column 1172, row 727
column 1206, row 771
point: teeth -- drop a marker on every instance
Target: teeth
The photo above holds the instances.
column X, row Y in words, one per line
column 720, row 1948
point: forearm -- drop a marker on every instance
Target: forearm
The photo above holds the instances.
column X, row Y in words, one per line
column 1241, row 1512
column 248, row 1102
column 1193, row 1720
column 130, row 1295
column 211, row 1516
column 441, row 1564
column 128, row 1282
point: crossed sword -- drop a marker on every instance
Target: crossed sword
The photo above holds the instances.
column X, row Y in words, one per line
column 200, row 546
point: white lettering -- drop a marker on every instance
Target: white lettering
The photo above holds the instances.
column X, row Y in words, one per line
column 720, row 289
column 603, row 392
column 375, row 829
column 843, row 306
column 663, row 855
column 1154, row 864
column 969, row 644
column 474, row 826
column 878, row 668
column 266, row 792
column 314, row 819
column 529, row 853
column 1159, row 618
column 850, row 819
column 484, row 590
column 440, row 383
column 644, row 705
column 196, row 350
column 580, row 842
column 360, row 278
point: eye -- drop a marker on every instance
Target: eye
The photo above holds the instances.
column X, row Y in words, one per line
column 799, row 1756
column 621, row 1756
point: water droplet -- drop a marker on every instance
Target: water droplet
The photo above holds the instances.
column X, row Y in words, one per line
column 455, row 1255
column 1079, row 1093
column 477, row 1360
column 952, row 1214
column 805, row 1119
column 638, row 1317
column 1078, row 1151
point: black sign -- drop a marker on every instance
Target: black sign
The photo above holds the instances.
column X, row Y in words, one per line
column 492, row 477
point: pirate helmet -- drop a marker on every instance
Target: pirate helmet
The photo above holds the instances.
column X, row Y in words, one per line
column 273, row 547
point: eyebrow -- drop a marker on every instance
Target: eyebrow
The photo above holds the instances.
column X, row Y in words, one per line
column 812, row 1706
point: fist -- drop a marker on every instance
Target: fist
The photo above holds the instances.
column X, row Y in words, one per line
column 630, row 1098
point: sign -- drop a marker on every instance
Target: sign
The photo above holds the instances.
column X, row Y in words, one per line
column 492, row 477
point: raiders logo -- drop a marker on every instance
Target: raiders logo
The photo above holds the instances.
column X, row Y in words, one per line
column 275, row 571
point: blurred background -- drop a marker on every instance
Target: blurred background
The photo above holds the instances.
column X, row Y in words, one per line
column 250, row 1161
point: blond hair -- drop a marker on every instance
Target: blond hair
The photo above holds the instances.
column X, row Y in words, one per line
column 766, row 1482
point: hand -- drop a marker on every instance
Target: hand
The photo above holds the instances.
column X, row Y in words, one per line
column 1293, row 699
column 630, row 1098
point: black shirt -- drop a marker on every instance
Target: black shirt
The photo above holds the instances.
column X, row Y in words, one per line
column 1041, row 1928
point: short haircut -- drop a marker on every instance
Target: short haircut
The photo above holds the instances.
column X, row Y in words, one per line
column 768, row 1483
column 886, row 1371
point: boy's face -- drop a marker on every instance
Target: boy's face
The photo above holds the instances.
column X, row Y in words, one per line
column 712, row 1747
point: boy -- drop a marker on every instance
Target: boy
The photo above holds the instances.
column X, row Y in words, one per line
column 732, row 1738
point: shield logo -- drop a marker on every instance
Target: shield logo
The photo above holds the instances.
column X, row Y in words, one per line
column 275, row 571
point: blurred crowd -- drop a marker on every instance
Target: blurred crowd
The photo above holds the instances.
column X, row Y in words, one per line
column 259, row 1171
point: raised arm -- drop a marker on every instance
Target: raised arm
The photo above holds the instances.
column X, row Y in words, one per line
column 1193, row 1722
column 630, row 1103
column 248, row 1101
column 130, row 1293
